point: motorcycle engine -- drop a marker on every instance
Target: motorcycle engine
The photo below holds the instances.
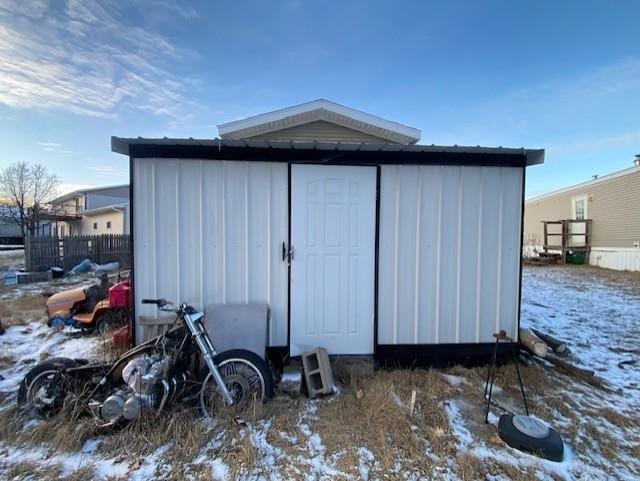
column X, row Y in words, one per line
column 145, row 384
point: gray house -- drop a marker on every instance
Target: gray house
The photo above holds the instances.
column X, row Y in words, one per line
column 359, row 239
column 97, row 210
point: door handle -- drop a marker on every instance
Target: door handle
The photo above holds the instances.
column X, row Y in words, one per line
column 284, row 251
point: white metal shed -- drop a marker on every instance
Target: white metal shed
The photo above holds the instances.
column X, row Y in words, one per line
column 359, row 241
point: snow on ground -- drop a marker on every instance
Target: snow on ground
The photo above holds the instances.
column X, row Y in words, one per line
column 8, row 293
column 597, row 312
column 594, row 310
column 18, row 344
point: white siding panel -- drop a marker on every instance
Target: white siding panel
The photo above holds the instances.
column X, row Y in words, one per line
column 166, row 233
column 427, row 255
column 488, row 288
column 407, row 229
column 387, row 256
column 144, row 233
column 189, row 233
column 449, row 258
column 470, row 218
column 210, row 232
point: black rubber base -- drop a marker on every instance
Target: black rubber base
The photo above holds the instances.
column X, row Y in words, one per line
column 550, row 447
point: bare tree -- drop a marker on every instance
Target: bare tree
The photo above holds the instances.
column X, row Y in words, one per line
column 25, row 189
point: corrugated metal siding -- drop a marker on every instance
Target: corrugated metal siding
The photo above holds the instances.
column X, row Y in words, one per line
column 613, row 205
column 320, row 131
column 449, row 255
column 209, row 232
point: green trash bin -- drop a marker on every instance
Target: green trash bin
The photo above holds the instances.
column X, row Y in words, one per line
column 574, row 257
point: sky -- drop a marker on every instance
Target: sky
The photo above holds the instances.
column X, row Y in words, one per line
column 564, row 76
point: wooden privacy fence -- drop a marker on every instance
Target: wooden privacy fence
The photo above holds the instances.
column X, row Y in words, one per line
column 66, row 252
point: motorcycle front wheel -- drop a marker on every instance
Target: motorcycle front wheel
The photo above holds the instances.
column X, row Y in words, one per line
column 247, row 377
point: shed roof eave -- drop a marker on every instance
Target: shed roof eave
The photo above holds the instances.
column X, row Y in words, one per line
column 123, row 146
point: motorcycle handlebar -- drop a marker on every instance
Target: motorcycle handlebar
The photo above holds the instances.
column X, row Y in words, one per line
column 165, row 305
column 157, row 302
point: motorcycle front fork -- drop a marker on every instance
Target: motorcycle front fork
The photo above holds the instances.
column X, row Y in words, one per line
column 208, row 352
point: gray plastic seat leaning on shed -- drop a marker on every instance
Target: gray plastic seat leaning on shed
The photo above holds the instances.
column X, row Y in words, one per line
column 238, row 326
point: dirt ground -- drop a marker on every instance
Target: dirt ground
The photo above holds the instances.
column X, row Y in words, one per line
column 367, row 430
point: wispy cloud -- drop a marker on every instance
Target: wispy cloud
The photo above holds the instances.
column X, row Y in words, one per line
column 85, row 57
column 55, row 148
column 108, row 170
column 569, row 112
column 582, row 145
column 65, row 188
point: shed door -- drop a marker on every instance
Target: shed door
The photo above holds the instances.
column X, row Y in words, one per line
column 332, row 269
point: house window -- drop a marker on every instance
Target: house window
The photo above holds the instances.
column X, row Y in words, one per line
column 108, row 224
column 95, row 226
column 580, row 209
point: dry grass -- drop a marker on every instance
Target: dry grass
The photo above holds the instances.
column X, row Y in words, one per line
column 374, row 413
column 6, row 358
column 469, row 468
column 27, row 470
column 23, row 309
column 508, row 471
column 67, row 431
column 81, row 474
column 151, row 431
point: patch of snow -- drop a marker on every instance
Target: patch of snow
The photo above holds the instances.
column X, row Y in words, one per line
column 456, row 424
column 366, row 459
column 90, row 446
column 219, row 470
column 30, row 343
column 597, row 315
column 455, row 381
column 287, row 437
column 149, row 466
column 291, row 377
column 68, row 462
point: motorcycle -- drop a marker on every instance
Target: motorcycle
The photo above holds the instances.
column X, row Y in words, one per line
column 152, row 376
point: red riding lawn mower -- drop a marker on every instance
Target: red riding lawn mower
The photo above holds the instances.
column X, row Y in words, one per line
column 102, row 308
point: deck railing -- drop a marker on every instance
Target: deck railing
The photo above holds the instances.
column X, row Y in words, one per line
column 574, row 235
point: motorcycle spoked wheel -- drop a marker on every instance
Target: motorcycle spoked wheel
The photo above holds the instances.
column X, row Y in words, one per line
column 247, row 378
column 34, row 386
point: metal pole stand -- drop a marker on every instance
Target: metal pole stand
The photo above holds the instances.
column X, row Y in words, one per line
column 491, row 372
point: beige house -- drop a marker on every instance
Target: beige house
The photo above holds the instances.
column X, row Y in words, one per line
column 612, row 202
column 100, row 210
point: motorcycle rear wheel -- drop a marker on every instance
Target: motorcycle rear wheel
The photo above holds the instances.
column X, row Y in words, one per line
column 247, row 377
column 38, row 379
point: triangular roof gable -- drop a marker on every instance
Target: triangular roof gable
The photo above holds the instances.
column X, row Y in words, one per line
column 315, row 111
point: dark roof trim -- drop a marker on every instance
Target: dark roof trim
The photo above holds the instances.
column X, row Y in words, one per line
column 325, row 152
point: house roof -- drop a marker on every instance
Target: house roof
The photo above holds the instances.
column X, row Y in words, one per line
column 588, row 183
column 105, row 208
column 320, row 110
column 327, row 152
column 75, row 193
